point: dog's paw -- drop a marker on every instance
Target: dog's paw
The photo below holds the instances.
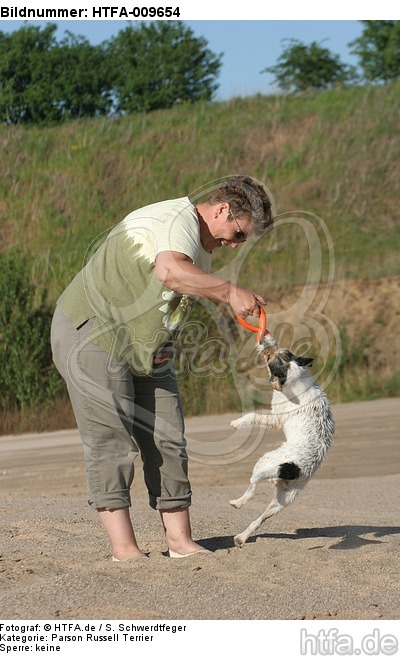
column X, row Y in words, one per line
column 234, row 503
column 246, row 420
column 239, row 541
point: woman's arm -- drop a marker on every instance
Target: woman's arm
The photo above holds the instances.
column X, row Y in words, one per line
column 177, row 272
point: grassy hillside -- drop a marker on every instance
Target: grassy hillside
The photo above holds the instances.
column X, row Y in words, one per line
column 332, row 155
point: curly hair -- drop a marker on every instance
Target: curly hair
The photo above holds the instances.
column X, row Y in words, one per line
column 246, row 197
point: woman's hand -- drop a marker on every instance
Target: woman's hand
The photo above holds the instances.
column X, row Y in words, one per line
column 245, row 303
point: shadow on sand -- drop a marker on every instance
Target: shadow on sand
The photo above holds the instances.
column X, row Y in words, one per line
column 348, row 536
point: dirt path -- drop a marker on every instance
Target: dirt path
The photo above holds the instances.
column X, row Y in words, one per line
column 334, row 554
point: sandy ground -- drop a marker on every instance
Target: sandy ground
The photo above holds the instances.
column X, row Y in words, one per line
column 334, row 554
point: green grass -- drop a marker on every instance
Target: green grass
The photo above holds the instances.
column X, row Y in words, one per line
column 334, row 153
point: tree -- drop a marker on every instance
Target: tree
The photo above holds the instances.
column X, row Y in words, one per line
column 159, row 64
column 378, row 49
column 151, row 66
column 26, row 80
column 83, row 78
column 42, row 81
column 301, row 67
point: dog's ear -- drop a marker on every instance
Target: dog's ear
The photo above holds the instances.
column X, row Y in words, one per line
column 303, row 362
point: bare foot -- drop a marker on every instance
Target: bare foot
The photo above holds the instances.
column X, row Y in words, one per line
column 124, row 556
column 184, row 548
column 178, row 534
column 118, row 526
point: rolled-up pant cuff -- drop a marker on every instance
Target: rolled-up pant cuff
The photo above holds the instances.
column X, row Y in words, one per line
column 111, row 501
column 170, row 504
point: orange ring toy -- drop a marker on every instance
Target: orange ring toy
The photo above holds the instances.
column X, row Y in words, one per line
column 262, row 324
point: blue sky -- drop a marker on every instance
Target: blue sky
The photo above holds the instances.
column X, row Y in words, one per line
column 248, row 45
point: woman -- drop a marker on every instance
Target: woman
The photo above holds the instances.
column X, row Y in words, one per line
column 110, row 333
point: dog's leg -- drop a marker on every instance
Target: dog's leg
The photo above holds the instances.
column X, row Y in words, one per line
column 249, row 494
column 285, row 493
column 252, row 418
column 273, row 508
column 263, row 468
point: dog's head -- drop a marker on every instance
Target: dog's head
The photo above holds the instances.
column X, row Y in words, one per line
column 281, row 363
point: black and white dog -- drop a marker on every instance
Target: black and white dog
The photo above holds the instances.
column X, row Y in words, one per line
column 302, row 410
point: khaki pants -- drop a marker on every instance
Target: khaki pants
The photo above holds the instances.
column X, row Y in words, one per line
column 119, row 414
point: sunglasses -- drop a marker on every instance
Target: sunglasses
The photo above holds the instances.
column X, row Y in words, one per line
column 239, row 234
